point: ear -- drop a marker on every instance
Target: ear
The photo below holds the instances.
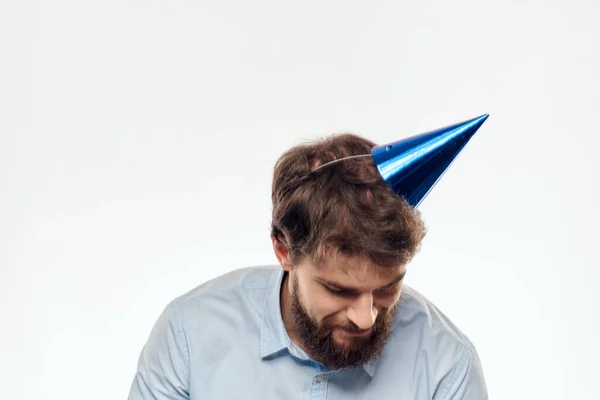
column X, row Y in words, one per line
column 282, row 253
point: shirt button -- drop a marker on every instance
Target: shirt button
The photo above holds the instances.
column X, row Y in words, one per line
column 319, row 378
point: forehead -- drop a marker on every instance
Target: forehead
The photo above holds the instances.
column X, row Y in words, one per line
column 356, row 273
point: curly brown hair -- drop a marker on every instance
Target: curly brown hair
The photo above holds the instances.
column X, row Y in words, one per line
column 341, row 208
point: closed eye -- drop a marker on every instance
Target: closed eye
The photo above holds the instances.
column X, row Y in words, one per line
column 389, row 290
column 340, row 292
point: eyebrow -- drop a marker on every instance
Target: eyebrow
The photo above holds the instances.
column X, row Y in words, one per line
column 339, row 287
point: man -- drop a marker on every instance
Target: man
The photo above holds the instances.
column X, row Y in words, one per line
column 333, row 320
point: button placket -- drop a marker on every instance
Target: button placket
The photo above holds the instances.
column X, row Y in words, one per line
column 319, row 387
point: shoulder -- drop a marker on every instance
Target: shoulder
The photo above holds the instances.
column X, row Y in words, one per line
column 238, row 279
column 426, row 342
column 421, row 319
column 439, row 348
column 230, row 292
column 232, row 283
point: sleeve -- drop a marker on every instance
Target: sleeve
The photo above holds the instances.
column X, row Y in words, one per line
column 466, row 382
column 163, row 366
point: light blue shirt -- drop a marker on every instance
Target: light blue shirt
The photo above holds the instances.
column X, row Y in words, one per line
column 226, row 340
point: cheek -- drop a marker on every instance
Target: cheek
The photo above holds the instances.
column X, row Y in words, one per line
column 326, row 308
column 320, row 303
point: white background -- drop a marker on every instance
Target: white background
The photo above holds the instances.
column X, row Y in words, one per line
column 137, row 140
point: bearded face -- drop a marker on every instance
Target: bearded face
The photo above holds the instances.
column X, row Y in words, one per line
column 326, row 321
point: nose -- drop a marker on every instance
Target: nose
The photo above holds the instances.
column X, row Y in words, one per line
column 362, row 312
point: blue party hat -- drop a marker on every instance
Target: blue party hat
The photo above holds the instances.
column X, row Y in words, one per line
column 414, row 165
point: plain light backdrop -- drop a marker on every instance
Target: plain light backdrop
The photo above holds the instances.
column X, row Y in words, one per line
column 137, row 140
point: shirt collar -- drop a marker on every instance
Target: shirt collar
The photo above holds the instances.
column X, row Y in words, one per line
column 274, row 340
column 273, row 336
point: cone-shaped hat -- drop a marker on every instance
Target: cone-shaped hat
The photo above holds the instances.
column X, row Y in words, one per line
column 413, row 166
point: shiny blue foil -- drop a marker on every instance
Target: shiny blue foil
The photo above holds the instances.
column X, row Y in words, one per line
column 412, row 166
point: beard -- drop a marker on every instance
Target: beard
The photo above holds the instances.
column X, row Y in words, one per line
column 319, row 342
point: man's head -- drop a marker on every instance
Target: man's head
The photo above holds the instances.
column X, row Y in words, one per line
column 344, row 238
